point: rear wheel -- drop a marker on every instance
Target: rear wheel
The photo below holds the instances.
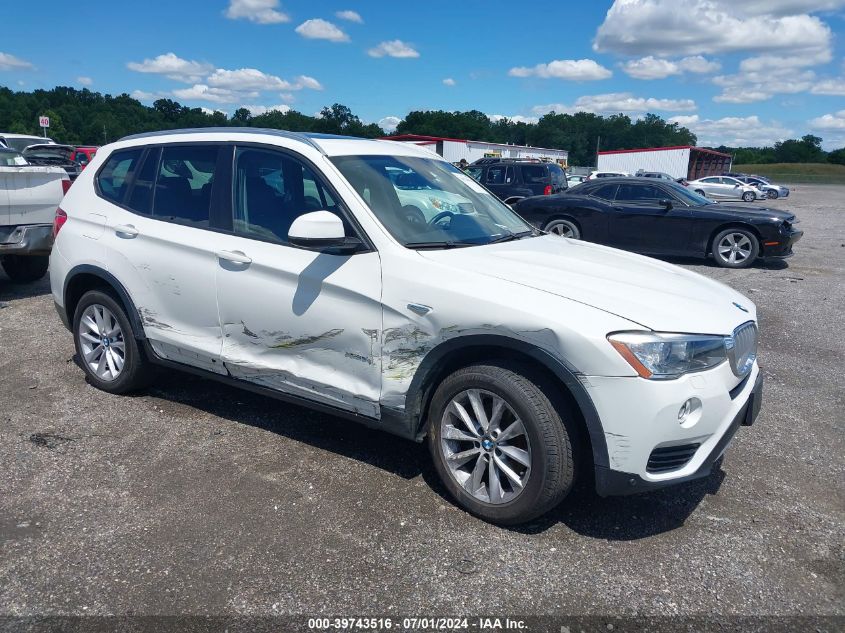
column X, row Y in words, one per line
column 749, row 196
column 499, row 444
column 23, row 269
column 107, row 348
column 563, row 228
column 735, row 248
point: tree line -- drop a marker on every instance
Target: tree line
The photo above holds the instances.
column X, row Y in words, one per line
column 85, row 117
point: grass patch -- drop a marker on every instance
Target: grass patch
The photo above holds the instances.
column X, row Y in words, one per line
column 818, row 173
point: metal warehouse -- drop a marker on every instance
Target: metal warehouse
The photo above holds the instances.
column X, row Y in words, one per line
column 454, row 149
column 683, row 161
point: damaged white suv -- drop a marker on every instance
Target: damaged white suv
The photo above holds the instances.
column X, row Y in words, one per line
column 296, row 266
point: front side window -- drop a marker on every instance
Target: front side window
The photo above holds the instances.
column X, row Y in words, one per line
column 499, row 175
column 271, row 190
column 183, row 183
column 606, row 192
column 113, row 178
column 475, row 173
column 468, row 214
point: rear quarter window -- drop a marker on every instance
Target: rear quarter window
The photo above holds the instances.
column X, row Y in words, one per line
column 113, row 178
column 534, row 174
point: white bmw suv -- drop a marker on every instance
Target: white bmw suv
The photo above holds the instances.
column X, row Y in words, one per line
column 293, row 265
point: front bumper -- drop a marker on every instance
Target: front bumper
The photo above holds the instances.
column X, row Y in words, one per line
column 782, row 246
column 27, row 239
column 637, row 427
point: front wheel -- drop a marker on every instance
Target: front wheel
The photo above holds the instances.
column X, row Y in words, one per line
column 700, row 192
column 749, row 196
column 499, row 444
column 23, row 269
column 563, row 228
column 735, row 248
column 107, row 348
column 771, row 194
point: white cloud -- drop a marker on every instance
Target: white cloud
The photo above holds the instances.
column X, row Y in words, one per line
column 172, row 67
column 828, row 122
column 202, row 92
column 143, row 95
column 516, row 118
column 449, row 81
column 616, row 102
column 350, row 16
column 259, row 11
column 749, row 87
column 667, row 27
column 254, row 79
column 389, row 123
column 10, row 62
column 393, row 48
column 84, row 81
column 651, row 67
column 747, row 131
column 834, row 87
column 572, row 69
column 213, row 111
column 317, row 29
column 257, row 110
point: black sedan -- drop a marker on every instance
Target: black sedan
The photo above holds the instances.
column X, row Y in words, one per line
column 654, row 217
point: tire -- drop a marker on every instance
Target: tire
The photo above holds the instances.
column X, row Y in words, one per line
column 749, row 196
column 748, row 248
column 563, row 228
column 105, row 312
column 700, row 192
column 546, row 443
column 771, row 194
column 24, row 269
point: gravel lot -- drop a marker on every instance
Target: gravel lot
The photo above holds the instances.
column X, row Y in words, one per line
column 201, row 499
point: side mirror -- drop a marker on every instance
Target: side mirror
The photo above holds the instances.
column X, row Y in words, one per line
column 666, row 204
column 321, row 230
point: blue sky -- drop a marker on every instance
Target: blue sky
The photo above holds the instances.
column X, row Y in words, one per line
column 740, row 72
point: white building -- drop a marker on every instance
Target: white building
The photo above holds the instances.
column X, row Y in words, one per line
column 454, row 149
column 683, row 161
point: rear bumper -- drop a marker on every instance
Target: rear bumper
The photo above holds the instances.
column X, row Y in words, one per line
column 614, row 482
column 26, row 239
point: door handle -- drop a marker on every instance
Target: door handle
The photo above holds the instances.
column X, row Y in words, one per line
column 236, row 257
column 126, row 230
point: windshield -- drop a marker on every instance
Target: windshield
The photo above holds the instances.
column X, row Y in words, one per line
column 429, row 203
column 690, row 197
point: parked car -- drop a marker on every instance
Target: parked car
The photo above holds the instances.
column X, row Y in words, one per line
column 655, row 174
column 55, row 155
column 575, row 179
column 725, row 188
column 658, row 217
column 83, row 155
column 772, row 191
column 472, row 331
column 513, row 179
column 21, row 141
column 607, row 174
column 29, row 197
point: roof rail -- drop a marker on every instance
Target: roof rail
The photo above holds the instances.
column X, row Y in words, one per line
column 296, row 136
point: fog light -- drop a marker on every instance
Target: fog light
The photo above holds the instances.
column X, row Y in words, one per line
column 690, row 412
column 684, row 411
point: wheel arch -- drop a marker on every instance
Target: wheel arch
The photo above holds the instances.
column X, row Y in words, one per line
column 562, row 215
column 80, row 279
column 732, row 225
column 454, row 354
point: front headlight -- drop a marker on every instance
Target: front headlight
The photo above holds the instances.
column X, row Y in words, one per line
column 443, row 205
column 663, row 356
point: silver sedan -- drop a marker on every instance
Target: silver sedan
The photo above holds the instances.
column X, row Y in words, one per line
column 725, row 188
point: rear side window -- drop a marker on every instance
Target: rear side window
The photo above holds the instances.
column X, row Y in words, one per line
column 635, row 193
column 183, row 183
column 558, row 176
column 113, row 179
column 141, row 196
column 534, row 175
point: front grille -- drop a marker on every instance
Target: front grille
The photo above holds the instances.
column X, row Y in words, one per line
column 668, row 458
column 742, row 348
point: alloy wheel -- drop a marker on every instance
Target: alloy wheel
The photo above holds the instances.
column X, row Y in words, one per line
column 102, row 343
column 735, row 248
column 563, row 229
column 485, row 446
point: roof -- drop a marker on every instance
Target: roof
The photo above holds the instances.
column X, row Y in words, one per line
column 663, row 149
column 434, row 139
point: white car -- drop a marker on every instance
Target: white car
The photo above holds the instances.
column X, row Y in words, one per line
column 522, row 358
column 20, row 142
column 725, row 188
column 606, row 174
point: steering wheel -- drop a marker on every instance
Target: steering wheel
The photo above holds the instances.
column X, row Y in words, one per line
column 440, row 217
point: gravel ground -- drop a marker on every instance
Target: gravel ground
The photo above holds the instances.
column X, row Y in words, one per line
column 195, row 498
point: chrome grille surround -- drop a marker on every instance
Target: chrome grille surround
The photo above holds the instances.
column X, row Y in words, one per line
column 742, row 348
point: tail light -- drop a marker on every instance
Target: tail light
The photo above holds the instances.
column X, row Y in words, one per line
column 65, row 186
column 547, row 191
column 59, row 220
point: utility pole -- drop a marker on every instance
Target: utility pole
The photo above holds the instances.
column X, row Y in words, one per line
column 598, row 145
column 105, row 139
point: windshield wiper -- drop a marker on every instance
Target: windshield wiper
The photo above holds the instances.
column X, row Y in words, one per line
column 507, row 237
column 440, row 244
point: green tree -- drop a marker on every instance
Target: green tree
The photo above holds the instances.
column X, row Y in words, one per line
column 837, row 156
